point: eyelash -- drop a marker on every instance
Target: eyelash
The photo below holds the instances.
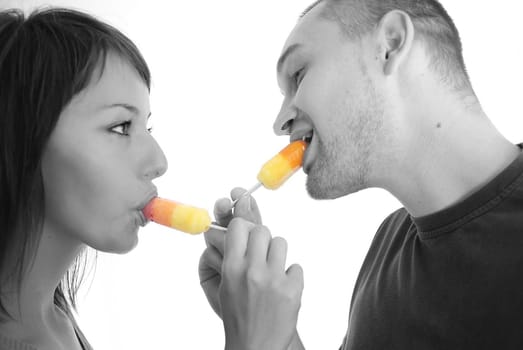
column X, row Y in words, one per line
column 298, row 77
column 126, row 125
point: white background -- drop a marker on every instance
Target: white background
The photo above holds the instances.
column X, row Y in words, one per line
column 214, row 98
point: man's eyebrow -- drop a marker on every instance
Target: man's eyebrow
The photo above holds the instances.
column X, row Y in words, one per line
column 284, row 56
column 126, row 106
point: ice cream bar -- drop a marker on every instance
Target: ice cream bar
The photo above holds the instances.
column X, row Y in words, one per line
column 176, row 215
column 279, row 168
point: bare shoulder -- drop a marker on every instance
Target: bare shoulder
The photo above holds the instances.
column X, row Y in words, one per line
column 62, row 336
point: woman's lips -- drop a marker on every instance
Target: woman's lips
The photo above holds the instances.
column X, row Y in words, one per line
column 142, row 221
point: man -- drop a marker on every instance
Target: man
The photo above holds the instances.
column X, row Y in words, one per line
column 379, row 90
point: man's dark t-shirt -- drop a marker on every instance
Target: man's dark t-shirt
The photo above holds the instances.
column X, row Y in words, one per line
column 450, row 280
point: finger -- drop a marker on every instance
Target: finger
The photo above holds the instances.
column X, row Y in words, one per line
column 237, row 192
column 246, row 207
column 209, row 268
column 223, row 211
column 277, row 255
column 210, row 264
column 258, row 244
column 255, row 215
column 236, row 239
column 295, row 275
column 216, row 239
column 242, row 209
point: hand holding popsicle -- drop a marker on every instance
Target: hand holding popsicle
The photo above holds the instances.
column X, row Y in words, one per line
column 210, row 266
column 258, row 297
column 279, row 168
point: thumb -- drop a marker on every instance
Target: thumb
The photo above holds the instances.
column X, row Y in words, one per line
column 223, row 211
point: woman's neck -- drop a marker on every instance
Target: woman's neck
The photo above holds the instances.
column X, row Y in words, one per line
column 32, row 308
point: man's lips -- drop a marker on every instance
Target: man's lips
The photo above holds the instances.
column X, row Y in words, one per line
column 304, row 134
column 307, row 160
column 310, row 155
column 307, row 135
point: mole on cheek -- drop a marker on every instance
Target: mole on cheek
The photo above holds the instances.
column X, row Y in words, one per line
column 438, row 125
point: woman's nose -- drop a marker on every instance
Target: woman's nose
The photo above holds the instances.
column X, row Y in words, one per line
column 156, row 161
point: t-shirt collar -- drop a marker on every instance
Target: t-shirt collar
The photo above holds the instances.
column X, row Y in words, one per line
column 446, row 219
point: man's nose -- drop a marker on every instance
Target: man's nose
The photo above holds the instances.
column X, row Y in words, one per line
column 284, row 121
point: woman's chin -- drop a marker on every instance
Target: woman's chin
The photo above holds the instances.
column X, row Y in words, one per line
column 120, row 243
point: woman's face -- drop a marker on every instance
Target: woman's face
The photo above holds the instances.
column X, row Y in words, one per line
column 100, row 161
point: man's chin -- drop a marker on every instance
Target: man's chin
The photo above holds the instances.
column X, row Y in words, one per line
column 320, row 188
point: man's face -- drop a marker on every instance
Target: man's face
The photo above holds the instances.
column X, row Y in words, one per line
column 330, row 96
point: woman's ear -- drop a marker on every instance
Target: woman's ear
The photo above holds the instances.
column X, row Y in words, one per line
column 395, row 35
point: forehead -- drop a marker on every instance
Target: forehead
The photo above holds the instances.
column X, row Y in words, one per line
column 315, row 32
column 118, row 82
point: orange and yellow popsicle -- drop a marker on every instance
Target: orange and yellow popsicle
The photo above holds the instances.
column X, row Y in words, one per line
column 280, row 167
column 179, row 216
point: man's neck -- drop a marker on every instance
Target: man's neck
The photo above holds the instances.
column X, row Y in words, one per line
column 452, row 157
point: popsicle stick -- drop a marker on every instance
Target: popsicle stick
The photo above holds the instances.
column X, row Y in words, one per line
column 218, row 227
column 249, row 191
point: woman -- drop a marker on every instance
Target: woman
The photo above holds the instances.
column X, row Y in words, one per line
column 76, row 165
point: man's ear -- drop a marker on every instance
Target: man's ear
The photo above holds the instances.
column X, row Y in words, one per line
column 395, row 36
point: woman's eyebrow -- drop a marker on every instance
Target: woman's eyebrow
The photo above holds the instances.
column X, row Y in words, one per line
column 126, row 106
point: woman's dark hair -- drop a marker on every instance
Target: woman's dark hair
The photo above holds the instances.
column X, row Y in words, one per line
column 46, row 58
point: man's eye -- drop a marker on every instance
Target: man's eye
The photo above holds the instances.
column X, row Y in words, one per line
column 122, row 128
column 298, row 77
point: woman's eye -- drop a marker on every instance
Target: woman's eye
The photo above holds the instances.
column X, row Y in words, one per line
column 122, row 128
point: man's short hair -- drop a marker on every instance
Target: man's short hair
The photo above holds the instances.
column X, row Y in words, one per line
column 432, row 24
